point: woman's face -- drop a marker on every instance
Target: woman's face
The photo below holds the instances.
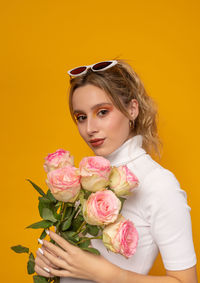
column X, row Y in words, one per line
column 102, row 126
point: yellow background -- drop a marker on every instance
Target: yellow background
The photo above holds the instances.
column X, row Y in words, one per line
column 40, row 41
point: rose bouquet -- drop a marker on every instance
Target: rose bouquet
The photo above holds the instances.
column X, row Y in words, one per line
column 83, row 204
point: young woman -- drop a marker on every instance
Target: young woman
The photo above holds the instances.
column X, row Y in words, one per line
column 117, row 119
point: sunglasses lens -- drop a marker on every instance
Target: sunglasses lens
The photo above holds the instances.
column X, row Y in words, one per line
column 78, row 70
column 101, row 65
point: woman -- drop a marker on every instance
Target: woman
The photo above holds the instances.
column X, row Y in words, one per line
column 117, row 119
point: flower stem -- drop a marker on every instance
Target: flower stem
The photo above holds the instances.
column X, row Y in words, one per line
column 80, row 228
column 63, row 211
column 63, row 208
column 92, row 238
column 98, row 237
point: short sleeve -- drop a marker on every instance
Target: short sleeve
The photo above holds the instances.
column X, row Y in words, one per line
column 171, row 223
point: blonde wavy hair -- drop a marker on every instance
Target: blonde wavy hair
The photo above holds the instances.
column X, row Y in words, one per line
column 122, row 84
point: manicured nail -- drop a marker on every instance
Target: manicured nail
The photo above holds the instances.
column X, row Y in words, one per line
column 40, row 241
column 47, row 232
column 41, row 251
column 46, row 269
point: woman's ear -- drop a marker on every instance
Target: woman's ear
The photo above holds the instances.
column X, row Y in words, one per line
column 133, row 109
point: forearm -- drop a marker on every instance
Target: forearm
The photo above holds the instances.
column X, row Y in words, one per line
column 110, row 273
column 132, row 277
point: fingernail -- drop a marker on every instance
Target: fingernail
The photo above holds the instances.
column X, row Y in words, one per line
column 47, row 232
column 40, row 241
column 41, row 251
column 46, row 269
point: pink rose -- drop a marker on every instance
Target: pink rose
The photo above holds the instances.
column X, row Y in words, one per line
column 121, row 237
column 64, row 183
column 94, row 171
column 122, row 180
column 101, row 208
column 58, row 159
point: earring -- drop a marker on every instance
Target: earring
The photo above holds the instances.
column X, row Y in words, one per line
column 131, row 124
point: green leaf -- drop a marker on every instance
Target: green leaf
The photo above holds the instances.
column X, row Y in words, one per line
column 20, row 249
column 48, row 209
column 63, row 234
column 31, row 264
column 38, row 189
column 86, row 242
column 48, row 214
column 41, row 224
column 43, row 202
column 66, row 224
column 91, row 250
column 92, row 229
column 39, row 279
column 77, row 222
column 50, row 196
column 70, row 236
column 43, row 235
column 57, row 216
column 68, row 212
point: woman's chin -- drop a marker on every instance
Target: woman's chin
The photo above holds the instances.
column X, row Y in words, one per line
column 101, row 151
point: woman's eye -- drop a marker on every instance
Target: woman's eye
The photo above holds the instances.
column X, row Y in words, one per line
column 80, row 118
column 103, row 112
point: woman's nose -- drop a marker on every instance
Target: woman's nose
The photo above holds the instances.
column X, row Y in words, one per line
column 91, row 126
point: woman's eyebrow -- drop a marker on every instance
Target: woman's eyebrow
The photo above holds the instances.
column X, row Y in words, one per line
column 94, row 107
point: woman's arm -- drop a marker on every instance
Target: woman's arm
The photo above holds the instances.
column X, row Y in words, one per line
column 183, row 276
column 71, row 261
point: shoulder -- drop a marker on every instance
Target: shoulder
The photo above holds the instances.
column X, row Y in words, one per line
column 155, row 181
column 149, row 171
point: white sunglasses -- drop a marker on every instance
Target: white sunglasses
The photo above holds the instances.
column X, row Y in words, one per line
column 97, row 67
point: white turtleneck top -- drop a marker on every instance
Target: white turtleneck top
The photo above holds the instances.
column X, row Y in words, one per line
column 158, row 208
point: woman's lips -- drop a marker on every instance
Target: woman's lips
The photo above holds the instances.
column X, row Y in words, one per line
column 96, row 142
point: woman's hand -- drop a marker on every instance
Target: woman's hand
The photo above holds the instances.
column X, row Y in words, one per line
column 70, row 261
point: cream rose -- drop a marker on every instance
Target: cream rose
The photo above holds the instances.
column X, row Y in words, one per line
column 94, row 171
column 122, row 180
column 64, row 183
column 101, row 208
column 121, row 237
column 58, row 159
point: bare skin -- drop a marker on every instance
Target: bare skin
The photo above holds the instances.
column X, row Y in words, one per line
column 71, row 261
column 97, row 117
